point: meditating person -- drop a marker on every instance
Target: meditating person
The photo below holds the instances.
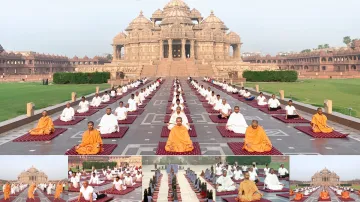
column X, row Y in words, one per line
column 253, row 175
column 138, row 176
column 212, row 99
column 88, row 193
column 236, row 122
column 318, row 123
column 345, row 194
column 273, row 103
column 225, row 110
column 242, row 91
column 108, row 123
column 31, row 191
column 95, row 179
column 74, row 181
column 91, row 141
column 7, row 190
column 225, row 183
column 121, row 111
column 128, row 180
column 96, row 101
column 132, row 104
column 266, row 169
column 105, row 97
column 176, row 105
column 238, row 174
column 178, row 97
column 272, row 181
column 83, row 105
column 298, row 196
column 113, row 93
column 291, row 192
column 283, row 172
column 247, row 95
column 45, row 125
column 58, row 190
column 291, row 112
column 256, row 139
column 68, row 114
column 248, row 190
column 261, row 99
column 218, row 103
column 119, row 91
column 118, row 184
column 137, row 99
column 172, row 122
column 124, row 89
column 324, row 194
column 179, row 138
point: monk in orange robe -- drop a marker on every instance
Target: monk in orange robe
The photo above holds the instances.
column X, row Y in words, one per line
column 324, row 194
column 318, row 123
column 179, row 138
column 256, row 139
column 345, row 194
column 291, row 192
column 31, row 191
column 91, row 141
column 7, row 191
column 58, row 190
column 45, row 126
column 298, row 196
column 248, row 190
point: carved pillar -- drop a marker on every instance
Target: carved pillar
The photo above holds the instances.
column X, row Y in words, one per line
column 161, row 49
column 183, row 52
column 192, row 49
column 114, row 52
column 170, row 49
column 238, row 56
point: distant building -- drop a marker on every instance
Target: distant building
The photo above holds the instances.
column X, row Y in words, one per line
column 32, row 175
column 325, row 177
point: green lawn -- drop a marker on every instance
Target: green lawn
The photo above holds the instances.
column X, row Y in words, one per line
column 344, row 93
column 14, row 96
column 357, row 187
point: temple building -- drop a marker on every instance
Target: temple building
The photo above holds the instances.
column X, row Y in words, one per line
column 75, row 161
column 325, row 177
column 32, row 175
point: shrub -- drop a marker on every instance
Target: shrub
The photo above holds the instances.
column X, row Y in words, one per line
column 270, row 76
column 81, row 78
column 98, row 165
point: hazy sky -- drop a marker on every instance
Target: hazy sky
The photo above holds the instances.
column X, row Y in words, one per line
column 87, row 27
column 304, row 167
column 55, row 167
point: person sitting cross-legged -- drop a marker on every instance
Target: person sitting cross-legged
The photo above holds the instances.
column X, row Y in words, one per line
column 91, row 142
column 88, row 193
column 247, row 95
column 178, row 113
column 256, row 139
column 236, row 122
column 225, row 110
column 68, row 114
column 318, row 123
column 45, row 125
column 83, row 105
column 225, row 183
column 248, row 190
column 96, row 101
column 108, row 123
column 273, row 103
column 121, row 111
column 118, row 184
column 272, row 181
column 105, row 97
column 324, row 194
column 291, row 112
column 179, row 138
column 261, row 99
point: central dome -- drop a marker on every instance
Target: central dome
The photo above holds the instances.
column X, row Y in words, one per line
column 176, row 4
column 140, row 22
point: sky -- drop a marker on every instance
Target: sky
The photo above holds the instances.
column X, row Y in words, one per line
column 304, row 167
column 55, row 167
column 87, row 27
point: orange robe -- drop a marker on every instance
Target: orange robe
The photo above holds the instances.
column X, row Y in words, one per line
column 7, row 191
column 45, row 126
column 179, row 140
column 31, row 191
column 345, row 194
column 58, row 191
column 291, row 192
column 91, row 143
column 324, row 195
column 248, row 191
column 298, row 196
column 256, row 140
column 319, row 122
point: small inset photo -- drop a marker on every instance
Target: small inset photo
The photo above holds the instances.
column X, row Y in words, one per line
column 325, row 178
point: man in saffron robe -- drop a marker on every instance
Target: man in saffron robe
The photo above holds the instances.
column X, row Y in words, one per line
column 318, row 123
column 91, row 142
column 31, row 191
column 7, row 190
column 236, row 122
column 58, row 190
column 298, row 196
column 179, row 138
column 324, row 194
column 248, row 190
column 45, row 126
column 345, row 194
column 256, row 139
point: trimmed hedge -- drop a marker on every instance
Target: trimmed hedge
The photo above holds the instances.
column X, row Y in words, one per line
column 248, row 160
column 270, row 76
column 98, row 165
column 81, row 78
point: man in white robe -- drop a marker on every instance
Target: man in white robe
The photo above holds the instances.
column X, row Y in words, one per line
column 128, row 180
column 238, row 175
column 176, row 105
column 137, row 99
column 121, row 111
column 96, row 101
column 138, row 177
column 83, row 105
column 49, row 188
column 266, row 169
column 272, row 182
column 212, row 99
column 178, row 97
column 225, row 110
column 74, row 181
column 174, row 116
column 273, row 103
column 132, row 104
column 105, row 97
column 261, row 99
column 108, row 123
column 237, row 122
column 225, row 183
column 113, row 92
column 119, row 91
column 242, row 91
column 118, row 184
column 218, row 103
column 218, row 169
column 67, row 114
column 95, row 179
column 124, row 89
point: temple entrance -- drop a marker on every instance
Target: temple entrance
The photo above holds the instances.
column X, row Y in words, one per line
column 187, row 49
column 176, row 49
column 166, row 50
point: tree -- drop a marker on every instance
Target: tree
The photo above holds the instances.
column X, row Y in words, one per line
column 109, row 57
column 326, row 46
column 306, row 51
column 347, row 40
column 320, row 46
column 1, row 49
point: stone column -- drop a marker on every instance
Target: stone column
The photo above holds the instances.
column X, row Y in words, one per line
column 192, row 49
column 183, row 52
column 114, row 53
column 161, row 49
column 170, row 49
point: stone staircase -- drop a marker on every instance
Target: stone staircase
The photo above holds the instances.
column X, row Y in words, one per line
column 149, row 70
column 178, row 68
column 163, row 68
column 205, row 70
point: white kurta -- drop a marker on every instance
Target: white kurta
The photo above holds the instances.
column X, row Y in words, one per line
column 67, row 114
column 113, row 93
column 226, row 184
column 96, row 101
column 273, row 103
column 238, row 175
column 129, row 181
column 105, row 98
column 218, row 170
column 237, row 123
column 132, row 105
column 173, row 117
column 218, row 104
column 176, row 106
column 225, row 108
column 48, row 189
column 95, row 180
column 272, row 182
column 121, row 113
column 137, row 100
column 261, row 100
column 108, row 124
column 83, row 106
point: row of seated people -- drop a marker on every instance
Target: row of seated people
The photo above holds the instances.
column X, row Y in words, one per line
column 198, row 186
column 154, row 185
column 12, row 189
column 342, row 192
column 300, row 193
column 318, row 122
column 209, row 175
column 50, row 187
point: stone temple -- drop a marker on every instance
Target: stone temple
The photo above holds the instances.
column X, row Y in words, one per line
column 177, row 41
column 325, row 178
column 32, row 175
